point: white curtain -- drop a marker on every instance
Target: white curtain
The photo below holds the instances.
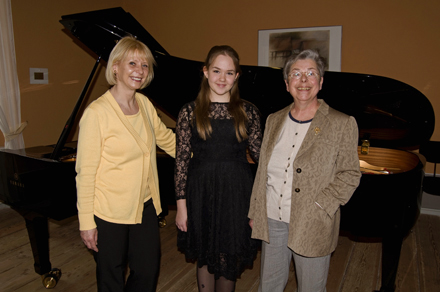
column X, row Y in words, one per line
column 10, row 116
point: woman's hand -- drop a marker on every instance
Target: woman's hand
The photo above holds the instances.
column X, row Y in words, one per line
column 251, row 223
column 182, row 215
column 90, row 238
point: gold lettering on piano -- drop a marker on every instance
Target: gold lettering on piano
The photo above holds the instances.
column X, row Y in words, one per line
column 16, row 183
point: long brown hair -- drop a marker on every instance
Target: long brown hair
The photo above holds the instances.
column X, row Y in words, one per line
column 203, row 102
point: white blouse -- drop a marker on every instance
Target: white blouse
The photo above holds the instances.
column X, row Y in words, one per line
column 280, row 170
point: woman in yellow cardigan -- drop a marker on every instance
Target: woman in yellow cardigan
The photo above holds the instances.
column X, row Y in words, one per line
column 117, row 181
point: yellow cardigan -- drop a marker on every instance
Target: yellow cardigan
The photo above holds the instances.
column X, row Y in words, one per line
column 114, row 166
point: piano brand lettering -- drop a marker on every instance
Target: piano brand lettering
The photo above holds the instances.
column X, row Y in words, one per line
column 16, row 183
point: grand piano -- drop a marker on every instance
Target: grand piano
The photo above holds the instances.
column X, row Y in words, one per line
column 39, row 182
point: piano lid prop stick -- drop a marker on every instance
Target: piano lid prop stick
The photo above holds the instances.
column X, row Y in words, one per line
column 69, row 124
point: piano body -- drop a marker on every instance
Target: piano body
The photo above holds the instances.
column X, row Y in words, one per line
column 393, row 115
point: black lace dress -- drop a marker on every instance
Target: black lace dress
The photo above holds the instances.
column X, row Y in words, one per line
column 215, row 178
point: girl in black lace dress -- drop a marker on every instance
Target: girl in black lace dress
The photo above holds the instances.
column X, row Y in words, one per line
column 213, row 178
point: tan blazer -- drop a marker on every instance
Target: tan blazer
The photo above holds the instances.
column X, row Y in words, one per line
column 326, row 171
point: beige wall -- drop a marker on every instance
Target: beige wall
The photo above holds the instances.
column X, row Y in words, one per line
column 397, row 39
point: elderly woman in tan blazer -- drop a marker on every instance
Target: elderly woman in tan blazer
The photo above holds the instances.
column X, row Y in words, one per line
column 308, row 168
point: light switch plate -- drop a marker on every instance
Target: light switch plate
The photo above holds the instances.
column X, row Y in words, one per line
column 39, row 75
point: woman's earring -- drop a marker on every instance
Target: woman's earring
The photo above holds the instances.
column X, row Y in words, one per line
column 114, row 72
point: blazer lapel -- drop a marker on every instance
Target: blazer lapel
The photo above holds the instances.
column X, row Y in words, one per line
column 319, row 123
column 277, row 124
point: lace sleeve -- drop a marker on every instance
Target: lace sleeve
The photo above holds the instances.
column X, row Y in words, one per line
column 254, row 131
column 183, row 151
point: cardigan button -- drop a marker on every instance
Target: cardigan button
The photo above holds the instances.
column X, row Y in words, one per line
column 297, row 190
column 298, row 170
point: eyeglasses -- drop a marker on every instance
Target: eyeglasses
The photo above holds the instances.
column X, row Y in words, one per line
column 310, row 74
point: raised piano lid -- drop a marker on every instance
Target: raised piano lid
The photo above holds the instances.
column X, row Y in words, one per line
column 391, row 113
column 100, row 30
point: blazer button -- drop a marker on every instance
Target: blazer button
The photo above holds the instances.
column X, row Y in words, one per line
column 298, row 170
column 297, row 190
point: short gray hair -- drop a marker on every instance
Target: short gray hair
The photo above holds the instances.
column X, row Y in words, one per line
column 306, row 54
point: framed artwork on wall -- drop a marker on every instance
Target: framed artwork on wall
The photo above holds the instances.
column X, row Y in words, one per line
column 276, row 45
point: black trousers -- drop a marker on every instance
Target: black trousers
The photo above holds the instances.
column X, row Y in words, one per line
column 137, row 245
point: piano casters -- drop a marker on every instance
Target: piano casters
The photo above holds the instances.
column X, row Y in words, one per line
column 161, row 221
column 161, row 217
column 50, row 280
column 38, row 231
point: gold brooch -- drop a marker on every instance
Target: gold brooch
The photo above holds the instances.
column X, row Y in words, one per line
column 317, row 131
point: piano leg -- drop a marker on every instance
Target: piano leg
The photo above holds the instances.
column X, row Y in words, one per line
column 391, row 248
column 38, row 231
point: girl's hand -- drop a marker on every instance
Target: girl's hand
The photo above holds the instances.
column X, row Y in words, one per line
column 182, row 215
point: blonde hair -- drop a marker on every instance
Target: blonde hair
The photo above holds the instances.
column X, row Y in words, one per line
column 126, row 46
column 236, row 105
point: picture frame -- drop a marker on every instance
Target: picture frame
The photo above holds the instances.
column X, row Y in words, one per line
column 276, row 45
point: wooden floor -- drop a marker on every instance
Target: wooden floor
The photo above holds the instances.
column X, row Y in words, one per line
column 355, row 266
